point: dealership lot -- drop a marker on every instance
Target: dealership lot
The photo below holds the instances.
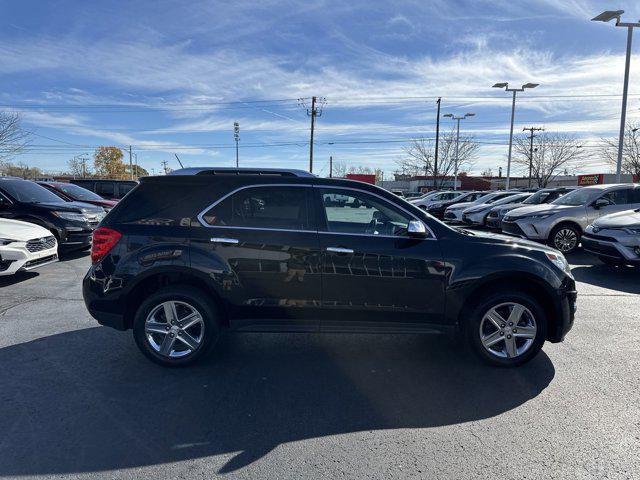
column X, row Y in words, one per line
column 79, row 400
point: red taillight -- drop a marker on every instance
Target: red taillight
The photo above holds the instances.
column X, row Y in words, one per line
column 104, row 239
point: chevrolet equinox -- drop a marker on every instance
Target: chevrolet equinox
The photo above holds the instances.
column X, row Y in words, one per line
column 185, row 256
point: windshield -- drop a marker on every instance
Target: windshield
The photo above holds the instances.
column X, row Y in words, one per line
column 78, row 193
column 29, row 192
column 575, row 198
column 541, row 196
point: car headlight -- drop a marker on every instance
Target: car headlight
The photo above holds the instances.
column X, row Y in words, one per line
column 433, row 206
column 6, row 241
column 77, row 217
column 559, row 261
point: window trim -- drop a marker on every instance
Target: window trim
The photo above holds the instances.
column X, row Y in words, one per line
column 227, row 195
column 202, row 221
column 326, row 232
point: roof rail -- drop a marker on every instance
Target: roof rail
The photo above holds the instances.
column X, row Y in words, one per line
column 281, row 172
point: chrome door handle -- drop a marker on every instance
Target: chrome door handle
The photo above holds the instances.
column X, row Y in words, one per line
column 226, row 241
column 339, row 250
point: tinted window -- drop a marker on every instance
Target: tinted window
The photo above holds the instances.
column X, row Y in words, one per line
column 635, row 198
column 124, row 188
column 263, row 207
column 362, row 213
column 576, row 197
column 105, row 189
column 618, row 197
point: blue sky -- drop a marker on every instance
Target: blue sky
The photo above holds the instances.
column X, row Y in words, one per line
column 172, row 76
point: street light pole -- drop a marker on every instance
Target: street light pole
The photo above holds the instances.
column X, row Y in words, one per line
column 505, row 85
column 607, row 16
column 455, row 165
column 236, row 137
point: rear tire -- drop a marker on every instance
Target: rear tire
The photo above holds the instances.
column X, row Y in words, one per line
column 176, row 326
column 507, row 329
column 565, row 237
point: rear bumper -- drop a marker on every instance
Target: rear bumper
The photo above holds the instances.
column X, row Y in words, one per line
column 107, row 310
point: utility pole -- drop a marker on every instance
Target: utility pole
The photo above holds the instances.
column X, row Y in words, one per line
column 165, row 167
column 130, row 165
column 435, row 162
column 313, row 112
column 531, row 136
column 330, row 166
column 236, row 137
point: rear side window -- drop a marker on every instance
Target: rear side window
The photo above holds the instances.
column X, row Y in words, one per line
column 124, row 188
column 105, row 189
column 271, row 207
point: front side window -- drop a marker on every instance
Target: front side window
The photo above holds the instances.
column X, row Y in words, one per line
column 363, row 214
column 272, row 207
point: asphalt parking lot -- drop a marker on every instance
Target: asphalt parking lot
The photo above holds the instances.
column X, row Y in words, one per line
column 80, row 401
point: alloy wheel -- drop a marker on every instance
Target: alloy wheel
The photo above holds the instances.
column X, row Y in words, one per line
column 565, row 240
column 508, row 330
column 174, row 329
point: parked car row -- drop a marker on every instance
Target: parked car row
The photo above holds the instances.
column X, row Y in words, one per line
column 605, row 219
column 40, row 220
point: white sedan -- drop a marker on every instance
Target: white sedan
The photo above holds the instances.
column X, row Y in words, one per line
column 25, row 246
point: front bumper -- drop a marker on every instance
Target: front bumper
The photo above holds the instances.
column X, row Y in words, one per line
column 525, row 229
column 494, row 222
column 616, row 245
column 474, row 219
column 566, row 311
column 453, row 216
column 16, row 257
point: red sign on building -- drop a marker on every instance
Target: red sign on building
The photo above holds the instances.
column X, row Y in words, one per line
column 590, row 179
column 362, row 177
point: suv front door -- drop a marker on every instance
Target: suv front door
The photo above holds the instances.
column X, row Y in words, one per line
column 266, row 240
column 372, row 271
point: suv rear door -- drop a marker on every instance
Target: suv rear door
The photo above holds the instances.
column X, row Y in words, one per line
column 372, row 271
column 266, row 239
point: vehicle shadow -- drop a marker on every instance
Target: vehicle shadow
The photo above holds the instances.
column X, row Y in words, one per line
column 73, row 255
column 18, row 277
column 592, row 271
column 87, row 401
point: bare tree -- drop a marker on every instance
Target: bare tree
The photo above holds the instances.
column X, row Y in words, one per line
column 19, row 170
column 630, row 150
column 13, row 139
column 339, row 169
column 77, row 167
column 553, row 153
column 418, row 157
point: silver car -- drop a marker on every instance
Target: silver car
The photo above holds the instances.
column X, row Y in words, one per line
column 477, row 215
column 615, row 238
column 546, row 195
column 562, row 222
column 454, row 212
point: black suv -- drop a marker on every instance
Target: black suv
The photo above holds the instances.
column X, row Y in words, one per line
column 71, row 222
column 185, row 256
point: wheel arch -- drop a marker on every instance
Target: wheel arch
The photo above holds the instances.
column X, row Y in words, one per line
column 160, row 279
column 510, row 281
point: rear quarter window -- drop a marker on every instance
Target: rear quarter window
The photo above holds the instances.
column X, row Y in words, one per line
column 157, row 204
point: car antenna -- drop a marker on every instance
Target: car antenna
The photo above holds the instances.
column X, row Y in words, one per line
column 178, row 158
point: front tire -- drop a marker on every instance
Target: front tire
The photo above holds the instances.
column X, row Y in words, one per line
column 176, row 326
column 565, row 238
column 507, row 329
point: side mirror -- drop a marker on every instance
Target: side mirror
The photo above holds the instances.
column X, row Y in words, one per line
column 416, row 229
column 599, row 203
